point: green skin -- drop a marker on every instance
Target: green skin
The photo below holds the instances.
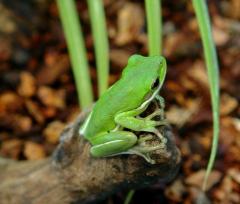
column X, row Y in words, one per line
column 120, row 106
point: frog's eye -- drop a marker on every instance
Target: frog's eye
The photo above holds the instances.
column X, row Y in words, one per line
column 155, row 83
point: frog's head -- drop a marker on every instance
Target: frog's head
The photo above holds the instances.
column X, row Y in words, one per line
column 153, row 66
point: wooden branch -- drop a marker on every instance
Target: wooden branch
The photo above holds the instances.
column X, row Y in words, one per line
column 72, row 175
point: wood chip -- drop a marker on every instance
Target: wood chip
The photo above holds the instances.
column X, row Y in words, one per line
column 10, row 102
column 51, row 97
column 130, row 23
column 55, row 66
column 180, row 116
column 27, row 87
column 235, row 174
column 53, row 130
column 220, row 37
column 34, row 151
column 175, row 191
column 35, row 111
column 196, row 179
column 11, row 148
column 119, row 57
column 228, row 104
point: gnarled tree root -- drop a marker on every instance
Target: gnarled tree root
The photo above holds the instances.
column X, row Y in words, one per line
column 71, row 175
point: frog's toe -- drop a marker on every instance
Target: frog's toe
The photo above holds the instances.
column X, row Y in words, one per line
column 145, row 147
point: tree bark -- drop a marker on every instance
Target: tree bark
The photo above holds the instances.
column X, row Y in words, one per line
column 71, row 175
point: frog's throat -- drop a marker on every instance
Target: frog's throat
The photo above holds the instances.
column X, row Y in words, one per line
column 155, row 93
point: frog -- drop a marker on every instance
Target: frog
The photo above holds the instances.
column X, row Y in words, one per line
column 115, row 118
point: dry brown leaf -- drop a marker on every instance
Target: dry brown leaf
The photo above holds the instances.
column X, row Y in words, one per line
column 73, row 114
column 232, row 8
column 7, row 20
column 35, row 111
column 51, row 97
column 27, row 87
column 235, row 174
column 225, row 193
column 119, row 57
column 55, row 66
column 5, row 48
column 49, row 112
column 10, row 102
column 199, row 73
column 17, row 122
column 228, row 104
column 236, row 123
column 193, row 24
column 197, row 196
column 23, row 123
column 53, row 130
column 180, row 116
column 11, row 148
column 175, row 191
column 196, row 179
column 220, row 37
column 34, row 151
column 229, row 136
column 171, row 43
column 130, row 23
column 225, row 190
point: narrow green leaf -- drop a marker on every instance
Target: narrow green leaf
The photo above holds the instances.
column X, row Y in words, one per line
column 73, row 33
column 100, row 36
column 210, row 55
column 129, row 197
column 154, row 26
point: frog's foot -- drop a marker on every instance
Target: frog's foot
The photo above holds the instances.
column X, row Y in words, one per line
column 160, row 136
column 145, row 156
column 142, row 149
column 158, row 112
column 154, row 130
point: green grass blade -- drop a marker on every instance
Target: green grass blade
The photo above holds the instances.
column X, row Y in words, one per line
column 77, row 51
column 154, row 26
column 129, row 197
column 100, row 37
column 210, row 55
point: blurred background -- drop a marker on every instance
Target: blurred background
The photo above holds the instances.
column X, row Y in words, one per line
column 38, row 96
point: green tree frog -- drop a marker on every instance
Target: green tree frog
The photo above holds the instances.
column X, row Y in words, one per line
column 120, row 106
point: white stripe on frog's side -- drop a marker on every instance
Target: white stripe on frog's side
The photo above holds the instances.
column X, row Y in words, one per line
column 110, row 142
column 85, row 124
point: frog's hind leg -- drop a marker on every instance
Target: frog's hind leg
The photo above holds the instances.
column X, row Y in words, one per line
column 112, row 143
column 123, row 142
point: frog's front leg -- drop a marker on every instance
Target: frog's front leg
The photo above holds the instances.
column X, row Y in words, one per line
column 128, row 120
column 162, row 105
